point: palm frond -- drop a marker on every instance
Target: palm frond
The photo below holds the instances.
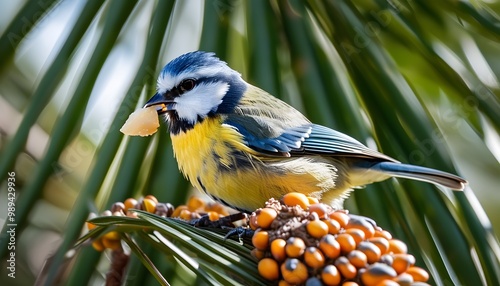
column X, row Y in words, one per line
column 416, row 79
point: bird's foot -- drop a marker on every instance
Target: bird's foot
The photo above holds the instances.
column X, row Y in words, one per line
column 240, row 232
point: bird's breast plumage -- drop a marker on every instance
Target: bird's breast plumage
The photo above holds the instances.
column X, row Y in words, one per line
column 215, row 158
column 206, row 147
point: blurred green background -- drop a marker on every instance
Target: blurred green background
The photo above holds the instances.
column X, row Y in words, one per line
column 417, row 80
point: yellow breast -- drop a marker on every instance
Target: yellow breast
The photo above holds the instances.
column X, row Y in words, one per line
column 201, row 150
column 215, row 159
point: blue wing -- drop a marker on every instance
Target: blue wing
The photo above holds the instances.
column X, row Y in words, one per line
column 326, row 141
column 307, row 139
column 289, row 140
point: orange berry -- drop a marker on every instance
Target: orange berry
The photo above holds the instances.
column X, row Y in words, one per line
column 314, row 258
column 402, row 262
column 90, row 226
column 387, row 259
column 98, row 245
column 341, row 217
column 149, row 205
column 293, row 199
column 265, row 217
column 387, row 282
column 377, row 273
column 383, row 233
column 333, row 226
column 397, row 246
column 195, row 203
column 253, row 221
column 213, row 216
column 269, row 269
column 350, row 283
column 362, row 224
column 357, row 258
column 284, row 283
column 330, row 246
column 216, row 207
column 320, row 209
column 130, row 203
column 257, row 253
column 185, row 214
column 345, row 267
column 260, row 239
column 294, row 271
column 111, row 243
column 295, row 247
column 356, row 233
column 278, row 249
column 347, row 242
column 404, row 279
column 381, row 242
column 371, row 250
column 330, row 275
column 317, row 228
column 112, row 235
column 418, row 274
column 178, row 210
column 151, row 197
column 312, row 200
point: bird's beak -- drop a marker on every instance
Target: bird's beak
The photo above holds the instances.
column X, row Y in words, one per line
column 161, row 103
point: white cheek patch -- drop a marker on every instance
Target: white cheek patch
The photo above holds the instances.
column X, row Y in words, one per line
column 164, row 83
column 202, row 99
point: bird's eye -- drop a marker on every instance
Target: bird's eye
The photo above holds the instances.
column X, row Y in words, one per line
column 186, row 85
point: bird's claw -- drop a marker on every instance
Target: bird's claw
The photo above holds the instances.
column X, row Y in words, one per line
column 241, row 232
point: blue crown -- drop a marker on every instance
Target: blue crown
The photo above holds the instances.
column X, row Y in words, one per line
column 190, row 62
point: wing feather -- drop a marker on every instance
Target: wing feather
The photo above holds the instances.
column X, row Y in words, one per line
column 288, row 132
column 326, row 141
column 308, row 139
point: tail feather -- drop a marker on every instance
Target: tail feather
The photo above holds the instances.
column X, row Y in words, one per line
column 421, row 173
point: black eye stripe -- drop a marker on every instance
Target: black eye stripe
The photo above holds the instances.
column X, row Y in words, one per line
column 190, row 83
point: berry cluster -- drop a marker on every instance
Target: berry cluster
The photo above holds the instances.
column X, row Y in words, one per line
column 194, row 209
column 300, row 241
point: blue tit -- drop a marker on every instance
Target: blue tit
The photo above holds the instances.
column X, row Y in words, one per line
column 242, row 146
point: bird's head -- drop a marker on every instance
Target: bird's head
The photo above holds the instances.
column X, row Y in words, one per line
column 195, row 86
